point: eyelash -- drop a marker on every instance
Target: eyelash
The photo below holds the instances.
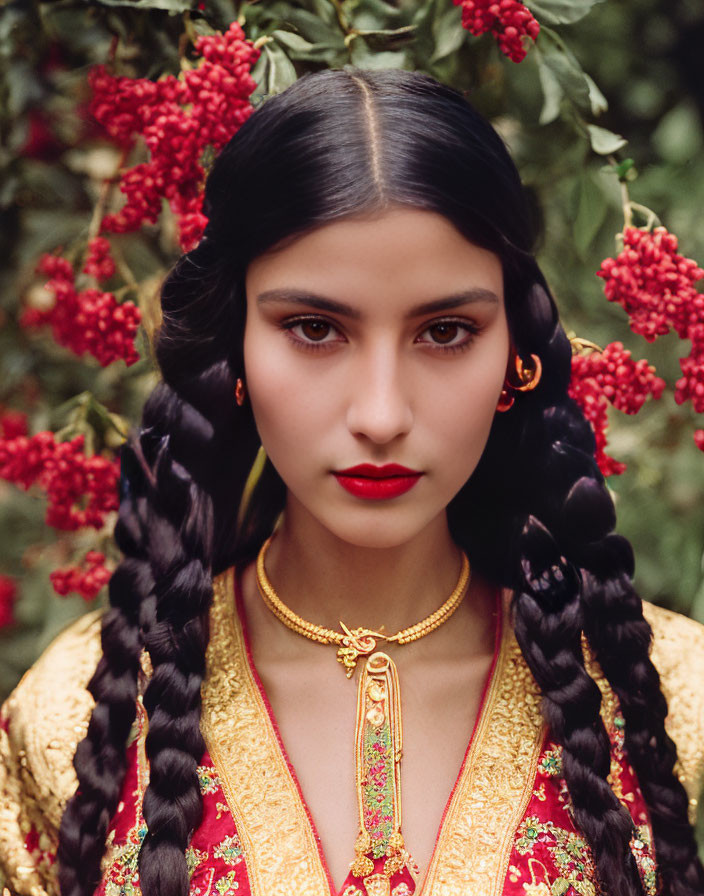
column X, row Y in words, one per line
column 471, row 329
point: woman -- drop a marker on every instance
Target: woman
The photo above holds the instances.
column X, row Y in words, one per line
column 365, row 305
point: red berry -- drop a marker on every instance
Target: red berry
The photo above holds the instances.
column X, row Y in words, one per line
column 611, row 377
column 509, row 21
column 177, row 118
column 656, row 287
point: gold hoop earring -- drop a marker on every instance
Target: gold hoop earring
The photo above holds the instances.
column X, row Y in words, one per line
column 528, row 375
column 240, row 392
column 506, row 400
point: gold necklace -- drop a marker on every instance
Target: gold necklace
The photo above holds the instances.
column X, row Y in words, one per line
column 353, row 643
column 379, row 850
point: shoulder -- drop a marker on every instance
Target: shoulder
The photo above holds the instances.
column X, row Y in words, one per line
column 678, row 655
column 41, row 723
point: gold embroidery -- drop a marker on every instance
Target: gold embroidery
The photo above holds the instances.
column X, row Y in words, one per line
column 49, row 711
column 678, row 655
column 121, row 860
column 475, row 842
column 610, row 714
column 276, row 836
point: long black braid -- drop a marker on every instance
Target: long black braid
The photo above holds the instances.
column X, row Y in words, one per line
column 160, row 595
column 100, row 757
column 535, row 515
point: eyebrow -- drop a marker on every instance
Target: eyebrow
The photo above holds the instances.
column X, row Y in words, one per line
column 322, row 303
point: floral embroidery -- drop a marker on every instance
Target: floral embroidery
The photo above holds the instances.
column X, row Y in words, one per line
column 551, row 762
column 122, row 876
column 642, row 849
column 539, row 793
column 208, row 779
column 401, row 890
column 568, row 851
column 377, row 786
column 229, row 850
column 227, row 884
column 352, row 891
column 199, row 891
column 213, row 851
column 194, row 858
column 530, row 829
column 550, row 857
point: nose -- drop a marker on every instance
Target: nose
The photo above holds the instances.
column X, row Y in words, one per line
column 380, row 404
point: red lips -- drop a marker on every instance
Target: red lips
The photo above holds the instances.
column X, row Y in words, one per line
column 377, row 483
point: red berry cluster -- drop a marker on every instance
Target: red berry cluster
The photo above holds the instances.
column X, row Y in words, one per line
column 8, row 595
column 66, row 474
column 611, row 377
column 99, row 262
column 508, row 20
column 86, row 581
column 656, row 287
column 178, row 118
column 86, row 321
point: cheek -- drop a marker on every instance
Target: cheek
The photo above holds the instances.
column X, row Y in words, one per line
column 287, row 410
column 459, row 419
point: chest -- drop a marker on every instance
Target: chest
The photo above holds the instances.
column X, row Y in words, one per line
column 439, row 707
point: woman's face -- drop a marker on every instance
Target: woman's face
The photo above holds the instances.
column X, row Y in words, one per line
column 376, row 341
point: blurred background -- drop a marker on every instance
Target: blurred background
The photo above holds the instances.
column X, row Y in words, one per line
column 635, row 70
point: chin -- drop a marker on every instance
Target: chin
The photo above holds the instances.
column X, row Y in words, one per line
column 394, row 530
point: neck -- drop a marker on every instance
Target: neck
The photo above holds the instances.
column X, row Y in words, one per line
column 326, row 580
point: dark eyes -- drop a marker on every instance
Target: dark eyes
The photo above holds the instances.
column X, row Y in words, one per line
column 317, row 332
column 313, row 329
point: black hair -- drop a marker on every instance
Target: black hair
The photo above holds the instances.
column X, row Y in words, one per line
column 535, row 515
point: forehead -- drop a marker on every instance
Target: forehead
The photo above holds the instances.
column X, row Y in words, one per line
column 407, row 255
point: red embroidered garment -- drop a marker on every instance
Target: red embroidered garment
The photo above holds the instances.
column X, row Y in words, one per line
column 507, row 829
column 548, row 855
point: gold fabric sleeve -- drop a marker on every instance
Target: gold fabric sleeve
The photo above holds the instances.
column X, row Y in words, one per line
column 44, row 718
column 678, row 655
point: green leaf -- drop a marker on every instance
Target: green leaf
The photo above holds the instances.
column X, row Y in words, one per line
column 372, row 15
column 552, row 91
column 597, row 99
column 605, row 142
column 310, row 26
column 425, row 18
column 563, row 64
column 448, row 34
column 626, row 170
column 324, row 10
column 388, row 38
column 379, row 8
column 280, row 72
column 172, row 6
column 300, row 48
column 403, row 31
column 363, row 57
column 591, row 211
column 292, row 40
column 561, row 12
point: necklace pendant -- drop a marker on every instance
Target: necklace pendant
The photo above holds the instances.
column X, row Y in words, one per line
column 348, row 656
column 379, row 851
column 377, row 885
column 355, row 643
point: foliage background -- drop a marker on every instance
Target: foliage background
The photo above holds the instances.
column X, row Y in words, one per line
column 644, row 55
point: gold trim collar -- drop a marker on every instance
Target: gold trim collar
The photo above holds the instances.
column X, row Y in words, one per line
column 279, row 842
